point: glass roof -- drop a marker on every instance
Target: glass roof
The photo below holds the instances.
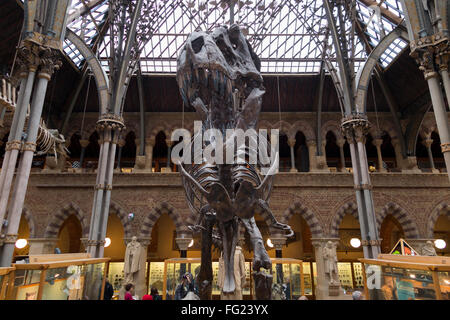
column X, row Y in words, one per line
column 288, row 36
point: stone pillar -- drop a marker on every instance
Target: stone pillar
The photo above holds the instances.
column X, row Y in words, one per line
column 109, row 127
column 443, row 55
column 149, row 144
column 84, row 143
column 49, row 63
column 13, row 146
column 377, row 142
column 316, row 163
column 169, row 148
column 139, row 165
column 42, row 245
column 120, row 143
column 291, row 143
column 355, row 129
column 427, row 143
column 279, row 242
column 340, row 143
column 322, row 159
column 427, row 60
column 183, row 245
column 327, row 287
column 398, row 153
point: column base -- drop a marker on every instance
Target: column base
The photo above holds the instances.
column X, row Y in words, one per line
column 293, row 170
column 166, row 170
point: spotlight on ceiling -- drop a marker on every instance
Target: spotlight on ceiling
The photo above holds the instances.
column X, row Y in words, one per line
column 269, row 243
column 21, row 243
column 355, row 243
column 440, row 244
column 107, row 242
column 191, row 243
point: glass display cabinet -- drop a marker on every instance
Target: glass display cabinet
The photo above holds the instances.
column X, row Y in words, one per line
column 78, row 279
column 396, row 277
column 287, row 277
column 4, row 281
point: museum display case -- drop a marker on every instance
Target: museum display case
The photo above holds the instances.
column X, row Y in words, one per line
column 290, row 277
column 4, row 281
column 77, row 279
column 155, row 275
column 174, row 268
column 396, row 277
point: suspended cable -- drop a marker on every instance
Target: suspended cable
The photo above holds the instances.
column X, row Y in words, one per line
column 375, row 106
column 85, row 104
column 182, row 115
column 279, row 103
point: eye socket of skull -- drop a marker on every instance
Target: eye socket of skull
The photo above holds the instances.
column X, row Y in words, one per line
column 233, row 34
column 198, row 44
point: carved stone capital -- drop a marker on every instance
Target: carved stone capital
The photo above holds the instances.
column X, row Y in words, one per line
column 84, row 143
column 10, row 238
column 13, row 145
column 377, row 142
column 27, row 58
column 183, row 243
column 110, row 121
column 425, row 59
column 29, row 146
column 278, row 242
column 150, row 141
column 445, row 147
column 121, row 142
column 291, row 142
column 50, row 62
column 373, row 242
column 340, row 142
column 355, row 128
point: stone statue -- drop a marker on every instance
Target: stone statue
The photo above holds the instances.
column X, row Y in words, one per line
column 239, row 276
column 218, row 74
column 330, row 263
column 428, row 249
column 132, row 258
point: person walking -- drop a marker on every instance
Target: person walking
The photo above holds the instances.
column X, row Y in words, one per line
column 109, row 290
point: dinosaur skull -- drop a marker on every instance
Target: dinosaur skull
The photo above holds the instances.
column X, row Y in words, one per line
column 218, row 68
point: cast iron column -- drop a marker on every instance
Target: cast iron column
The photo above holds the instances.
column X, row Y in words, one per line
column 355, row 129
column 49, row 62
column 109, row 127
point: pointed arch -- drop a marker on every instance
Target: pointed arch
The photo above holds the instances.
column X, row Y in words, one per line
column 305, row 128
column 409, row 226
column 114, row 208
column 58, row 219
column 309, row 216
column 441, row 209
column 348, row 208
column 155, row 214
column 333, row 126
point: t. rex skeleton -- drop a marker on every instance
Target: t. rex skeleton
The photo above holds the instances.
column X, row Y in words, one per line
column 219, row 75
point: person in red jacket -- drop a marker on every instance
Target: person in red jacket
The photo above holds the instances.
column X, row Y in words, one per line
column 129, row 288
